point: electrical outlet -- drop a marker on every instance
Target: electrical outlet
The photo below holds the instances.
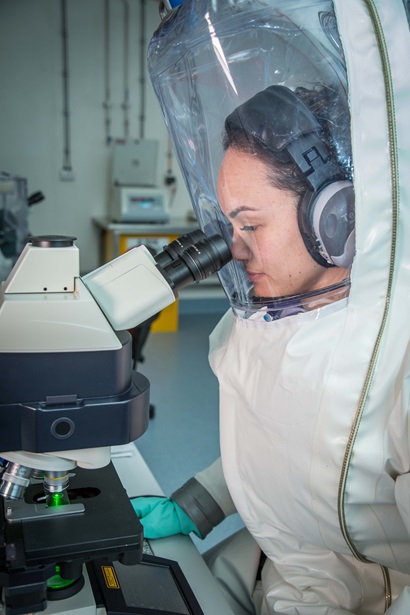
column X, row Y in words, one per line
column 67, row 175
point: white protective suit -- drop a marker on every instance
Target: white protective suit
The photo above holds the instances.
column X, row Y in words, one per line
column 315, row 407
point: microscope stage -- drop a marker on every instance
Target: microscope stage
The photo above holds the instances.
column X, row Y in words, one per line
column 108, row 527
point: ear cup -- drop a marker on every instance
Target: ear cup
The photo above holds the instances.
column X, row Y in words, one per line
column 327, row 221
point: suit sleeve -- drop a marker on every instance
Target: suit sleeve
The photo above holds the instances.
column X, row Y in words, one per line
column 205, row 498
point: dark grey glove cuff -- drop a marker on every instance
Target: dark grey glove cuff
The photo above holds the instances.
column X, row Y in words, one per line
column 199, row 505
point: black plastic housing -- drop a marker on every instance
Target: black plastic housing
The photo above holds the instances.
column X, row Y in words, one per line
column 71, row 400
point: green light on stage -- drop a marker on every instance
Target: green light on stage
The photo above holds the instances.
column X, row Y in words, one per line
column 59, row 498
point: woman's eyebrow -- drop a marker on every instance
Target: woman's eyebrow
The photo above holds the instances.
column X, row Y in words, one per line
column 238, row 210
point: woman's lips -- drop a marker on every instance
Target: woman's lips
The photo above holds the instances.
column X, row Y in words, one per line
column 254, row 276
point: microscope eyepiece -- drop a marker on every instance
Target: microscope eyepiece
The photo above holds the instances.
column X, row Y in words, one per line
column 176, row 247
column 198, row 261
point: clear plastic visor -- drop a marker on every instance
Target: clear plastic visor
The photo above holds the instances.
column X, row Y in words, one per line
column 213, row 67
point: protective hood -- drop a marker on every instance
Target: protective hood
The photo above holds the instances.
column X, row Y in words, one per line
column 261, row 89
column 208, row 59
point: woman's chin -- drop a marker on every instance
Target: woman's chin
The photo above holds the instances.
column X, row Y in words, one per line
column 264, row 290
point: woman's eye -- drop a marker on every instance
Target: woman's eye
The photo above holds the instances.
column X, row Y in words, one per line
column 250, row 227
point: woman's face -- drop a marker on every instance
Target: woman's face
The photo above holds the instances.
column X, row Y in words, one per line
column 266, row 236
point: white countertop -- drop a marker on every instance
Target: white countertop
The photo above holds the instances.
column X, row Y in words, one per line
column 175, row 226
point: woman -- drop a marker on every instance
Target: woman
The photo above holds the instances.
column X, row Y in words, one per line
column 314, row 425
column 261, row 191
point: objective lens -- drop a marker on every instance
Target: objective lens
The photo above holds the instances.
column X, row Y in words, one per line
column 198, row 261
column 15, row 480
column 176, row 247
column 55, row 487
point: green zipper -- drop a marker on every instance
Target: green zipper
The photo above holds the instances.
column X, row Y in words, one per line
column 387, row 76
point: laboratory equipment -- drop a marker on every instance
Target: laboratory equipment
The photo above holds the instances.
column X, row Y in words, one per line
column 14, row 207
column 135, row 195
column 139, row 204
column 135, row 163
column 68, row 394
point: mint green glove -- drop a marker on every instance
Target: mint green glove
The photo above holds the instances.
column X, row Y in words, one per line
column 162, row 517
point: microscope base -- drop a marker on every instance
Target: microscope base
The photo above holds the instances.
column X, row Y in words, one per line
column 110, row 588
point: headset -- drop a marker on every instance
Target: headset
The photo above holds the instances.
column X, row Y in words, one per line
column 326, row 214
column 286, row 126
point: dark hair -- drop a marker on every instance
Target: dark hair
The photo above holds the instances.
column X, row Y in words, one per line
column 245, row 131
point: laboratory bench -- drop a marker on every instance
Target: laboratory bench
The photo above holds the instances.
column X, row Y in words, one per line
column 118, row 237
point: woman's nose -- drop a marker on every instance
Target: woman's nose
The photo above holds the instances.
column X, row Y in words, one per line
column 240, row 249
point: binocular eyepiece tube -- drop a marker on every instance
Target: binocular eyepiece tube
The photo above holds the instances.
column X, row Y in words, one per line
column 191, row 258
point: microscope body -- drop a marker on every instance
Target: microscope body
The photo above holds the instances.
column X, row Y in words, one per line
column 67, row 395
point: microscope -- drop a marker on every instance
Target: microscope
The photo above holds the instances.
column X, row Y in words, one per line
column 67, row 395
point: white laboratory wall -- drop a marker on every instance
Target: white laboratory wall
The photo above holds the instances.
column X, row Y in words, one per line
column 31, row 109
